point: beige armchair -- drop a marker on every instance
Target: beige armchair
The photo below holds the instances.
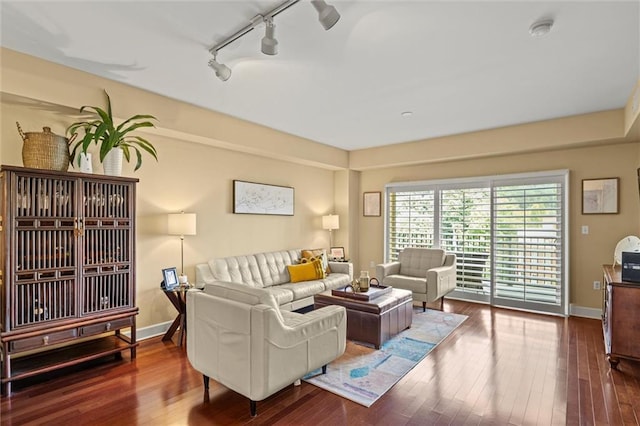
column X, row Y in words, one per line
column 429, row 273
column 238, row 336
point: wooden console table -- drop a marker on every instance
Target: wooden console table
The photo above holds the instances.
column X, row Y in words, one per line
column 620, row 317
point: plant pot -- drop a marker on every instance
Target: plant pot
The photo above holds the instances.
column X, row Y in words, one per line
column 112, row 163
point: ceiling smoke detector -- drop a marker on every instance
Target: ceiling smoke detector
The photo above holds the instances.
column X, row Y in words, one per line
column 540, row 28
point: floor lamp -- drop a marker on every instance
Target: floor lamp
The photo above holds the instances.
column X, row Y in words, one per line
column 182, row 224
column 331, row 222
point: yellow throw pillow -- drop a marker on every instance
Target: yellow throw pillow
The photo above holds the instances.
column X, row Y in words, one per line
column 306, row 271
column 311, row 254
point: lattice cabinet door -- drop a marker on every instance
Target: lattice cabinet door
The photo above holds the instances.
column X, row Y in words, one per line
column 42, row 249
column 107, row 225
column 67, row 281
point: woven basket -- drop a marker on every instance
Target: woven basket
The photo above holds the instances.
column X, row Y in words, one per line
column 45, row 150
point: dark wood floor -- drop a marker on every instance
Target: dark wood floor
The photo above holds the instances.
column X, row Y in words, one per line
column 500, row 367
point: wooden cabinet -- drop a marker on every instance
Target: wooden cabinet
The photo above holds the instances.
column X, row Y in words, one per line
column 68, row 250
column 620, row 317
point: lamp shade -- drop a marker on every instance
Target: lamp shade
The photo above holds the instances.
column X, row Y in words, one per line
column 182, row 224
column 330, row 222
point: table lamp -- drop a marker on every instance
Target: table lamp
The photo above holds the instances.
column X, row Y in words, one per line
column 331, row 222
column 182, row 224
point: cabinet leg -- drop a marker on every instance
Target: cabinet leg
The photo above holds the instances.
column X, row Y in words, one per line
column 613, row 362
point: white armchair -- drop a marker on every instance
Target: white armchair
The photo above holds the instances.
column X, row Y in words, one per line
column 429, row 273
column 238, row 336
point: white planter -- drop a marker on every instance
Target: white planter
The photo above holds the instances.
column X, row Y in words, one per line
column 113, row 162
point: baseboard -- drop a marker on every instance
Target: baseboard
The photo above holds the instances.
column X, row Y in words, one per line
column 581, row 311
column 150, row 331
column 161, row 328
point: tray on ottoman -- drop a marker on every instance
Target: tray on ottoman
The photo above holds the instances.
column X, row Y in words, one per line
column 372, row 293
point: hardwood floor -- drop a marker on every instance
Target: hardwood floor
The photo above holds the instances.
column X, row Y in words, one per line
column 500, row 367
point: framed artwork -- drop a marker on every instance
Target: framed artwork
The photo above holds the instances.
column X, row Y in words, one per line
column 600, row 196
column 260, row 198
column 372, row 203
column 170, row 278
column 336, row 253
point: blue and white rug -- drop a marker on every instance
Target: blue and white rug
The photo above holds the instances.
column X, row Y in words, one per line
column 365, row 377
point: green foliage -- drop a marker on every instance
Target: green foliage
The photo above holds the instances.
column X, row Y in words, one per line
column 103, row 132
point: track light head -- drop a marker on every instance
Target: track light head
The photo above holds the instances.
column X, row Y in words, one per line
column 269, row 42
column 327, row 15
column 223, row 72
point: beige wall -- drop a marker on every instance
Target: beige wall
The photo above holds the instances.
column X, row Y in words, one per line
column 197, row 178
column 201, row 152
column 586, row 252
column 194, row 173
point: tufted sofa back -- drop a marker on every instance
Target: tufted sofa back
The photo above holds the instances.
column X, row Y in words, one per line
column 256, row 270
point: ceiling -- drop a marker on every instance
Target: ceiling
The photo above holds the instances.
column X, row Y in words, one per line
column 457, row 66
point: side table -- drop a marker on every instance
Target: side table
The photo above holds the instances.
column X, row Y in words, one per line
column 178, row 298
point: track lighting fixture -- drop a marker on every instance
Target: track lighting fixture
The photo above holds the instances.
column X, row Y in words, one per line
column 223, row 72
column 269, row 43
column 327, row 15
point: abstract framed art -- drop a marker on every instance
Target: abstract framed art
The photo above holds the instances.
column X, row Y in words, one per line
column 600, row 196
column 371, row 203
column 260, row 198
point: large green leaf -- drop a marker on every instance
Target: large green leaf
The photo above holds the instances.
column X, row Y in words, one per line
column 102, row 131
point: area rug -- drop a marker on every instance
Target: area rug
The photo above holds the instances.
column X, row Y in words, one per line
column 365, row 377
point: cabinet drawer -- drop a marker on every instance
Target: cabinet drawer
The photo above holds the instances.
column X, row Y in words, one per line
column 43, row 340
column 105, row 327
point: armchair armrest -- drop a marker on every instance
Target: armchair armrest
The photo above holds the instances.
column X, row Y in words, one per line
column 297, row 328
column 342, row 268
column 203, row 275
column 386, row 269
column 441, row 280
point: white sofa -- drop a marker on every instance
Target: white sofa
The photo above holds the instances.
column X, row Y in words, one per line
column 269, row 271
column 238, row 336
column 429, row 273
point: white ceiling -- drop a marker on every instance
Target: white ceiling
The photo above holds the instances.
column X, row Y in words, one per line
column 458, row 66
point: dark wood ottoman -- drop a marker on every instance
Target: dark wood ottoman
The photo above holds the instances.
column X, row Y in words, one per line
column 374, row 321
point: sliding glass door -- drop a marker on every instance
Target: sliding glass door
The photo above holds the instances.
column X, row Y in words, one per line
column 508, row 233
column 528, row 245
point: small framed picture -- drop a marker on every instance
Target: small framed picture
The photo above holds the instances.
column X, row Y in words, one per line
column 170, row 278
column 336, row 253
column 371, row 203
column 600, row 196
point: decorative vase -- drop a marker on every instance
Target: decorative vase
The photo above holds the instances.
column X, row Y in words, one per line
column 113, row 162
column 85, row 163
column 363, row 282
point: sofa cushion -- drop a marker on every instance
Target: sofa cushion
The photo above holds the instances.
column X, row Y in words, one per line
column 282, row 295
column 335, row 280
column 306, row 271
column 415, row 284
column 304, row 289
column 415, row 262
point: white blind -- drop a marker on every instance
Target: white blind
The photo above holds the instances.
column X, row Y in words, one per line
column 507, row 233
column 411, row 220
column 465, row 229
column 528, row 241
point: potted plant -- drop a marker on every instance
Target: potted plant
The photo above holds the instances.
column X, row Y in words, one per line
column 114, row 141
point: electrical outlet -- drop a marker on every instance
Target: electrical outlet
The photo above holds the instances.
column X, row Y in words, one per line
column 596, row 285
column 372, row 264
column 585, row 230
